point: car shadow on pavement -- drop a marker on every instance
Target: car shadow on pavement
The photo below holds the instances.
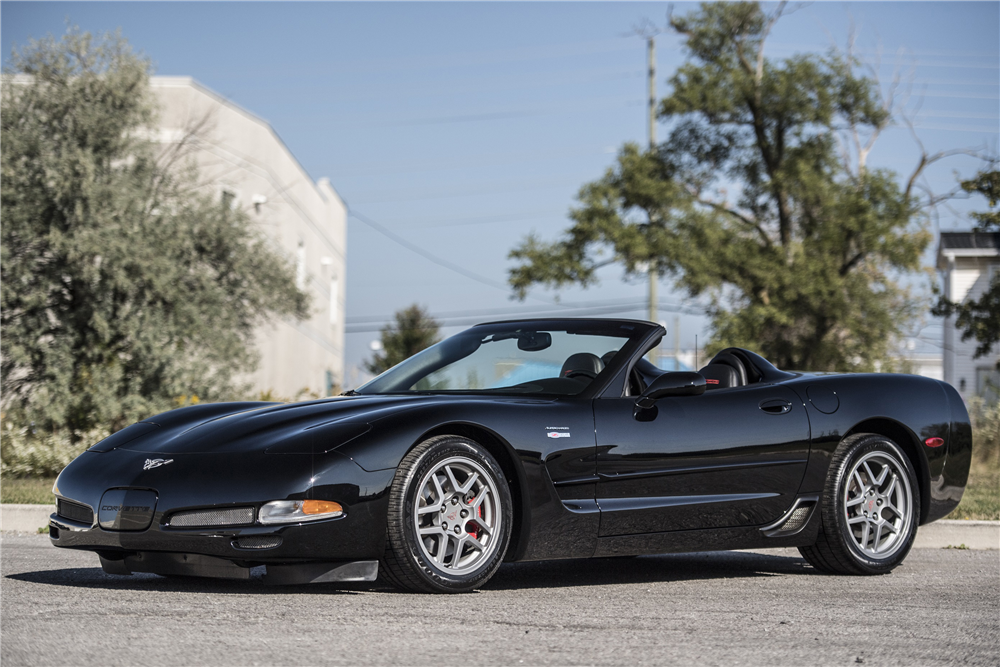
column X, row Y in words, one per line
column 646, row 569
column 95, row 577
column 512, row 576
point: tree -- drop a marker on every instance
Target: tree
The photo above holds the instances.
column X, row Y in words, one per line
column 760, row 202
column 413, row 330
column 123, row 288
column 980, row 319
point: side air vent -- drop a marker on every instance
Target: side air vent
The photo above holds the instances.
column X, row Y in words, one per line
column 794, row 520
column 230, row 516
column 78, row 512
column 257, row 542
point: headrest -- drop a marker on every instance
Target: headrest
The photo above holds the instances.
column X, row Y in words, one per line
column 582, row 361
column 720, row 376
column 729, row 359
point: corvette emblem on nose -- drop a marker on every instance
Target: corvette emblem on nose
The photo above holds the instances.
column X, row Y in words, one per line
column 155, row 463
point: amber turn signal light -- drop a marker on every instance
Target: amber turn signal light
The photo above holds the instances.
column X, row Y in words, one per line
column 320, row 507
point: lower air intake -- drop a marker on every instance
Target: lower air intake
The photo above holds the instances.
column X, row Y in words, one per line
column 796, row 520
column 67, row 509
column 257, row 542
column 231, row 516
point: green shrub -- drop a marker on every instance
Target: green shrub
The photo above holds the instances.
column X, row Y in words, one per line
column 985, row 433
column 24, row 453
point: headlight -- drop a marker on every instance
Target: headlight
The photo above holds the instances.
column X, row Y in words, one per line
column 294, row 511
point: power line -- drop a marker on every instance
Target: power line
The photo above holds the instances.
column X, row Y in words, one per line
column 440, row 261
column 426, row 255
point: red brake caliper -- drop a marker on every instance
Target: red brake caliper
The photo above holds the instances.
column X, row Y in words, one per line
column 475, row 532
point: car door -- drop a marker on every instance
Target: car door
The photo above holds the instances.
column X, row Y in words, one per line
column 729, row 457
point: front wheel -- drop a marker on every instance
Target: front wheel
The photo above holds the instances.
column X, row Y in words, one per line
column 450, row 516
column 870, row 508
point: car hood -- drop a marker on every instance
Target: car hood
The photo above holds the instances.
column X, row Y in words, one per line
column 309, row 427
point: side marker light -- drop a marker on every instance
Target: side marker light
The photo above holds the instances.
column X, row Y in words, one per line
column 933, row 442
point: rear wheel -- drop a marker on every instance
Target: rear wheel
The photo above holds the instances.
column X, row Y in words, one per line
column 450, row 515
column 870, row 508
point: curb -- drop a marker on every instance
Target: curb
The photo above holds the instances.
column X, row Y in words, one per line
column 938, row 535
column 25, row 518
column 956, row 534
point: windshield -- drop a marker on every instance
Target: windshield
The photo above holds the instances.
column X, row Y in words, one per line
column 515, row 358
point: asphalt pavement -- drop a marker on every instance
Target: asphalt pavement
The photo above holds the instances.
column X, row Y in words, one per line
column 57, row 607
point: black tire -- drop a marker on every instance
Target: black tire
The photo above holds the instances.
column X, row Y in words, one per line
column 846, row 528
column 407, row 562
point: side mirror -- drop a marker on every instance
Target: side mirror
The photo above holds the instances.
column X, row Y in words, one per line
column 671, row 384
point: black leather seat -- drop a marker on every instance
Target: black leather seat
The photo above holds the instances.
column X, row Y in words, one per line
column 582, row 361
column 723, row 371
column 720, row 376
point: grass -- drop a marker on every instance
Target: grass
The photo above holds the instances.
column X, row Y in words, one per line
column 981, row 499
column 982, row 494
column 28, row 491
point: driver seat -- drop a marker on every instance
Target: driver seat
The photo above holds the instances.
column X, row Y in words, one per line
column 725, row 370
column 582, row 361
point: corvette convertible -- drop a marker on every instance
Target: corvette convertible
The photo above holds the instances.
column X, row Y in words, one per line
column 519, row 441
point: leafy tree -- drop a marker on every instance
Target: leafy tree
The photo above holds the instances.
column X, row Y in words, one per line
column 123, row 289
column 413, row 330
column 980, row 319
column 760, row 202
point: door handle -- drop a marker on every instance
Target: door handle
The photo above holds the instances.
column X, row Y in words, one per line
column 776, row 406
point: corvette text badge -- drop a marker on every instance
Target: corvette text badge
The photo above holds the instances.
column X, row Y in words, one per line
column 557, row 431
column 155, row 463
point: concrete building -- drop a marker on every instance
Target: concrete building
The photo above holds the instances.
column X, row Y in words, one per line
column 243, row 162
column 967, row 262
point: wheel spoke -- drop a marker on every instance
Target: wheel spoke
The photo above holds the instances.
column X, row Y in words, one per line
column 862, row 487
column 881, row 477
column 856, row 501
column 468, row 483
column 475, row 543
column 482, row 524
column 431, row 530
column 442, row 548
column 892, row 527
column 451, row 478
column 864, row 535
column 878, row 537
column 438, row 488
column 427, row 509
column 871, row 477
column 857, row 519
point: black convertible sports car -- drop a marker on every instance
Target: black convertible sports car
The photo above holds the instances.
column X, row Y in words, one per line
column 526, row 440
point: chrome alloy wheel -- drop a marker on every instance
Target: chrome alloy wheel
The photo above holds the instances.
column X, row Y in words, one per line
column 457, row 516
column 878, row 504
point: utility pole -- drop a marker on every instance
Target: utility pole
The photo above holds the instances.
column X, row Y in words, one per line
column 651, row 42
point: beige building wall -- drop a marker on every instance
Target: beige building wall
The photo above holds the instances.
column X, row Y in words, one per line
column 242, row 161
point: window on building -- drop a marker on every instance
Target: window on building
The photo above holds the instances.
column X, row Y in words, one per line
column 300, row 266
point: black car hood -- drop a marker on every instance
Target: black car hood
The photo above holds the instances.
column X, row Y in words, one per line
column 252, row 427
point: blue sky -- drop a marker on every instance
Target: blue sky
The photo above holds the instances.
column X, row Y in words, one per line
column 461, row 127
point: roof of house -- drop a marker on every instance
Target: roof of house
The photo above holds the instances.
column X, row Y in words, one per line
column 969, row 240
column 966, row 244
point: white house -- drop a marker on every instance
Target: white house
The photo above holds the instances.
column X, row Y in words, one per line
column 243, row 162
column 967, row 262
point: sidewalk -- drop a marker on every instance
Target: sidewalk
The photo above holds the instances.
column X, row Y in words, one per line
column 937, row 535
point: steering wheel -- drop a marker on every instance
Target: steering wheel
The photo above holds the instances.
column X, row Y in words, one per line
column 587, row 374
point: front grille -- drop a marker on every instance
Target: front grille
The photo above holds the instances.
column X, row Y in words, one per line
column 79, row 512
column 257, row 542
column 231, row 516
